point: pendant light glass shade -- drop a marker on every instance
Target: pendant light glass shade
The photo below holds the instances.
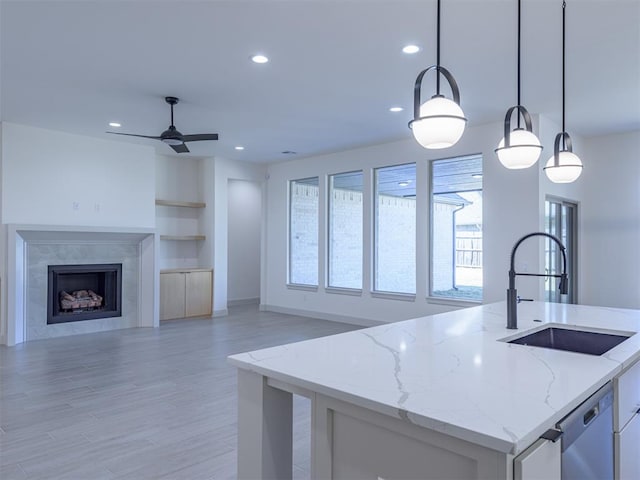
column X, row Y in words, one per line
column 440, row 124
column 568, row 169
column 524, row 150
column 564, row 166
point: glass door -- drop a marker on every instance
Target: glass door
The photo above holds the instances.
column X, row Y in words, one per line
column 560, row 221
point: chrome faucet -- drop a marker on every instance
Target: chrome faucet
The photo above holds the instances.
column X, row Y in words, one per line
column 512, row 293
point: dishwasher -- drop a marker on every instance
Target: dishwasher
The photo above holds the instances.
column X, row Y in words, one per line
column 587, row 439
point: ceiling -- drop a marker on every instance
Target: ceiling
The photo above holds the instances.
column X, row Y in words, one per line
column 336, row 67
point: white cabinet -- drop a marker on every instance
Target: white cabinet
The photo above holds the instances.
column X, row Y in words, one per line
column 627, row 402
column 627, row 447
column 627, row 424
column 541, row 461
column 350, row 442
column 185, row 293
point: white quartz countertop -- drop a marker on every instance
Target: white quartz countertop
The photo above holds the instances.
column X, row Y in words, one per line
column 450, row 373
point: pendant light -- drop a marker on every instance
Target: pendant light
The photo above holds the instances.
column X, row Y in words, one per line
column 564, row 166
column 438, row 122
column 519, row 148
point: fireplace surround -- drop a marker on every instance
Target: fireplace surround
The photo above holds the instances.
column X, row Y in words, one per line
column 103, row 281
column 32, row 248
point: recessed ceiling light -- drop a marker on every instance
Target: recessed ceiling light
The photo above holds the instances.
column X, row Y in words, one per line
column 411, row 49
column 403, row 184
column 239, row 147
column 396, row 109
column 259, row 59
column 114, row 124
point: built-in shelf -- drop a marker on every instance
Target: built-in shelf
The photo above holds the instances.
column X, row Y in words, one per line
column 172, row 203
column 182, row 237
column 185, row 270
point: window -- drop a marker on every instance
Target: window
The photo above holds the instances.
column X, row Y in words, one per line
column 560, row 221
column 303, row 231
column 395, row 229
column 345, row 230
column 456, row 228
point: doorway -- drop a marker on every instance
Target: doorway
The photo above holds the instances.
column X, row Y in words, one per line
column 561, row 218
column 243, row 242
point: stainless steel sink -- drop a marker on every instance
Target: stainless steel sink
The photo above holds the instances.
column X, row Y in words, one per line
column 579, row 341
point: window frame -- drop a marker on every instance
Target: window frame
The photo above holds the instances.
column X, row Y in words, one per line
column 390, row 294
column 333, row 288
column 438, row 299
column 292, row 285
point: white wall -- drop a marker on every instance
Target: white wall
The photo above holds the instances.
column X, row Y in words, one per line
column 607, row 194
column 510, row 210
column 244, row 215
column 177, row 178
column 54, row 178
column 222, row 170
column 611, row 221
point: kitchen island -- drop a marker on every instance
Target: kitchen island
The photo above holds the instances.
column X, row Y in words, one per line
column 442, row 396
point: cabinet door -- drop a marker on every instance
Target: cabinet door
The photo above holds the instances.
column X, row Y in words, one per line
column 172, row 295
column 198, row 294
column 627, row 390
column 627, row 449
column 541, row 461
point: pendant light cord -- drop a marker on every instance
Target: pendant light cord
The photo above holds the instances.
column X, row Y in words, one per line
column 564, row 7
column 519, row 2
column 438, row 51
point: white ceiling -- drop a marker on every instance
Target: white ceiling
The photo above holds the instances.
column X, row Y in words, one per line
column 336, row 67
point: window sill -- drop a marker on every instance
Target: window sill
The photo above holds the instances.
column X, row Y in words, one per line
column 406, row 297
column 453, row 302
column 304, row 288
column 356, row 292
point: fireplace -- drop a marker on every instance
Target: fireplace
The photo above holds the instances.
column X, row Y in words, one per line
column 84, row 292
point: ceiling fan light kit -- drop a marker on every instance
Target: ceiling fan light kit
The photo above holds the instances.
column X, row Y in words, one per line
column 439, row 122
column 564, row 166
column 172, row 136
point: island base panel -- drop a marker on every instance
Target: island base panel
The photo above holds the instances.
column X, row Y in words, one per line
column 362, row 444
column 264, row 429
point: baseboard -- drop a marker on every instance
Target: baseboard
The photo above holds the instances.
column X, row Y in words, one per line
column 363, row 322
column 220, row 313
column 243, row 301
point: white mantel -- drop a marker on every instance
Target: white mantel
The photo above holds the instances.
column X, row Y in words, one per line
column 21, row 237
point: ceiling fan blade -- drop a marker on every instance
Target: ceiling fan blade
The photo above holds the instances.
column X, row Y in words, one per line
column 202, row 136
column 134, row 135
column 180, row 148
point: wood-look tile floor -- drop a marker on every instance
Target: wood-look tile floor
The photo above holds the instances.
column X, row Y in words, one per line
column 139, row 403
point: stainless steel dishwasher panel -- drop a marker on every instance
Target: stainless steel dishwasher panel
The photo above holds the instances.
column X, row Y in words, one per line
column 587, row 441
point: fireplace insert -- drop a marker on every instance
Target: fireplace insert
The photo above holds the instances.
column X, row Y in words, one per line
column 84, row 292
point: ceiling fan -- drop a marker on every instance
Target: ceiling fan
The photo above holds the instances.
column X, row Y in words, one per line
column 171, row 136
